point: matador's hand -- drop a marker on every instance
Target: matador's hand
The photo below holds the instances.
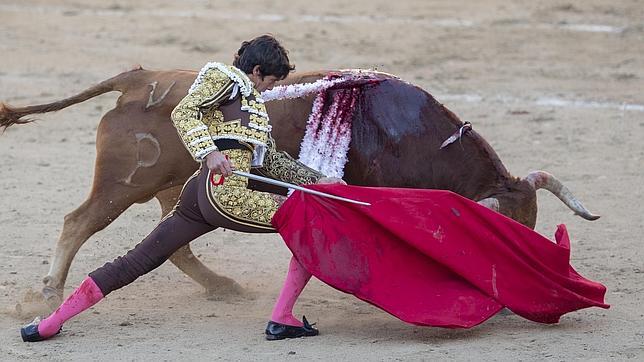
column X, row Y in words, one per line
column 219, row 164
column 331, row 180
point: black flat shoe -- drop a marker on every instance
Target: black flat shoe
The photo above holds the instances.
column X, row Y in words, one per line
column 276, row 331
column 30, row 332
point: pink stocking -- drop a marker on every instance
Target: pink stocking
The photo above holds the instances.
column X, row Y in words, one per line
column 296, row 280
column 85, row 296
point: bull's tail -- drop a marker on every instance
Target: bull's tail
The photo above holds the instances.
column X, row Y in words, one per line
column 544, row 180
column 18, row 115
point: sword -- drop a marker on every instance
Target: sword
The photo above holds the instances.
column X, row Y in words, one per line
column 288, row 185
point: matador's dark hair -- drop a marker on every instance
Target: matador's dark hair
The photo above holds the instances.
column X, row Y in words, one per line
column 266, row 52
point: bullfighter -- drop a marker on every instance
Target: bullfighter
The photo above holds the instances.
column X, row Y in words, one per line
column 224, row 125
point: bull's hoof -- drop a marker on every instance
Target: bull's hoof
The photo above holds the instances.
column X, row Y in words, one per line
column 52, row 296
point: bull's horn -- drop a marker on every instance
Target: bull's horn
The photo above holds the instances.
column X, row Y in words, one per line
column 544, row 180
column 491, row 203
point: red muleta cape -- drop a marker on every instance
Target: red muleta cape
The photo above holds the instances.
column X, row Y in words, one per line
column 432, row 257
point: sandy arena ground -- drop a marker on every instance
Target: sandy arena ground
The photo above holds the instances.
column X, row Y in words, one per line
column 553, row 85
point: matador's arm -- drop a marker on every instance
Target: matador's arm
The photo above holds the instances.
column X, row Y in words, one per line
column 186, row 116
column 281, row 166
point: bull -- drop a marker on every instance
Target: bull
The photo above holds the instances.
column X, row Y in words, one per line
column 397, row 133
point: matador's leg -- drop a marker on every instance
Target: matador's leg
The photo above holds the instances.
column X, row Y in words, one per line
column 242, row 209
column 174, row 231
column 296, row 279
column 216, row 285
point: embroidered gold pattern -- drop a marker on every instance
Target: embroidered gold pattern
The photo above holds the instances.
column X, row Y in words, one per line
column 212, row 118
column 253, row 106
column 280, row 165
column 199, row 108
column 187, row 116
column 235, row 201
column 238, row 131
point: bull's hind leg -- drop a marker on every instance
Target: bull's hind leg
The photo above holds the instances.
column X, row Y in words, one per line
column 188, row 263
column 96, row 213
column 123, row 161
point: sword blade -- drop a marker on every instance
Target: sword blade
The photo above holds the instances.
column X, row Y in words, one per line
column 296, row 187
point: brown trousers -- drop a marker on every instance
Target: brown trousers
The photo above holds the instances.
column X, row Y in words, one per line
column 192, row 217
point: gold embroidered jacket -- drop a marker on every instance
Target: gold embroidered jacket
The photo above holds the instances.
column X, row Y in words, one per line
column 200, row 122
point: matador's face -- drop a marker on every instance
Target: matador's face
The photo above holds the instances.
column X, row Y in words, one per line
column 263, row 83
